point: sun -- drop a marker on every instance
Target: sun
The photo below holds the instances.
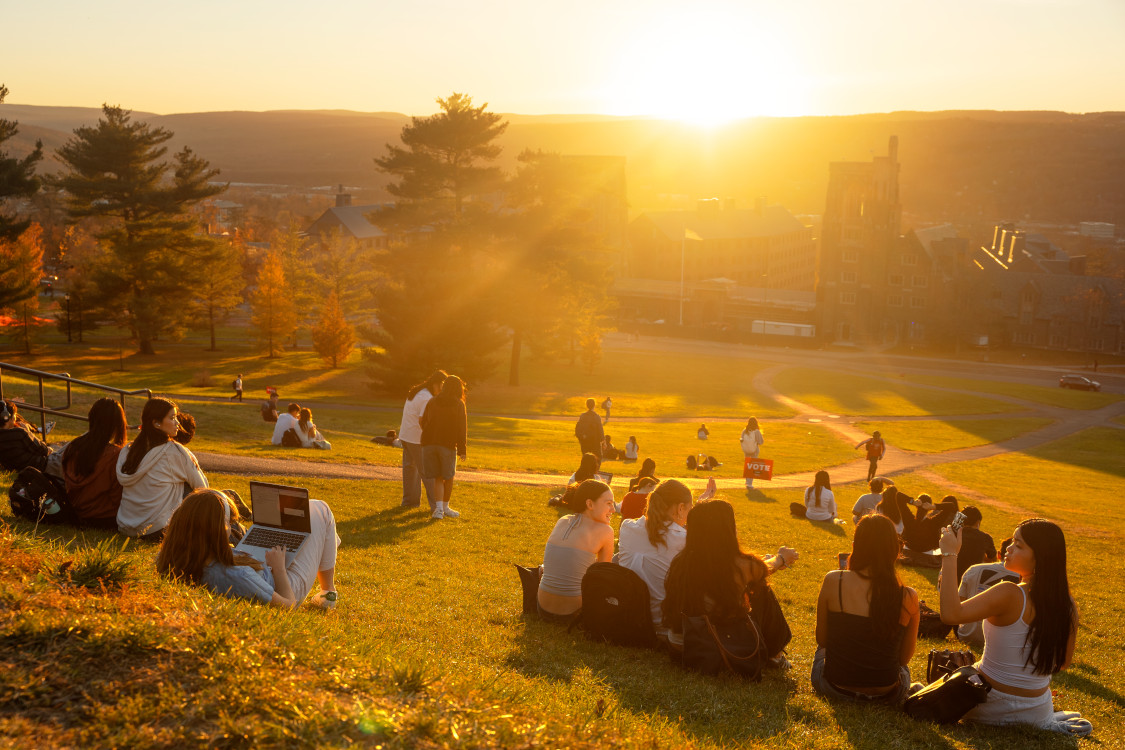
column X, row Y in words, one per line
column 707, row 69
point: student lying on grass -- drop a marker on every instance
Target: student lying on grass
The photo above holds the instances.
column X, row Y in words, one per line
column 196, row 548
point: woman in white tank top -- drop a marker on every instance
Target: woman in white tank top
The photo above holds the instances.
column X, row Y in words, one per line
column 1029, row 628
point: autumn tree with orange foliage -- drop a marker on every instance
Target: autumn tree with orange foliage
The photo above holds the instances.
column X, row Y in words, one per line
column 272, row 310
column 21, row 267
column 333, row 337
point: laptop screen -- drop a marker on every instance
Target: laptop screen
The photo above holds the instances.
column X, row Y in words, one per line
column 280, row 507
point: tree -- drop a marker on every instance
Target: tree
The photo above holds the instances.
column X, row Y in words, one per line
column 333, row 337
column 17, row 177
column 272, row 310
column 437, row 299
column 220, row 285
column 118, row 175
column 79, row 253
column 443, row 161
column 346, row 268
column 19, row 283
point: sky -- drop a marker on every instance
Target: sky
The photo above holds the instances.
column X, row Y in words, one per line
column 703, row 60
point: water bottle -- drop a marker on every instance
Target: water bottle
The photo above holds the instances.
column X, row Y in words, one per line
column 50, row 506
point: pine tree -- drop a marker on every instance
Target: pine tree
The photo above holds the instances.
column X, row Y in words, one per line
column 17, row 177
column 272, row 310
column 117, row 174
column 79, row 253
column 220, row 285
column 333, row 337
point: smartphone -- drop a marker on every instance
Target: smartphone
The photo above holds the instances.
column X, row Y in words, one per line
column 958, row 521
column 842, row 560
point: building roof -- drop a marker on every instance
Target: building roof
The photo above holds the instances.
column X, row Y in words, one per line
column 929, row 235
column 724, row 224
column 352, row 219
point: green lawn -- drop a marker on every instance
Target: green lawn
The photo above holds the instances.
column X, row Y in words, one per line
column 428, row 648
column 854, row 394
column 1050, row 396
column 937, row 436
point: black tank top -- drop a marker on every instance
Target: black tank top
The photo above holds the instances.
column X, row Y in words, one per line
column 854, row 655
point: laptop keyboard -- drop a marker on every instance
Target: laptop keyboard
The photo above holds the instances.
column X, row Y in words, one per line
column 269, row 538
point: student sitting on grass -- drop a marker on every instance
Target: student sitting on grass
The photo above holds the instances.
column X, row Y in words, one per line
column 308, row 434
column 1029, row 628
column 820, row 503
column 609, row 452
column 196, row 549
column 19, row 446
column 866, row 622
column 977, row 579
column 577, row 542
column 647, row 471
column 865, row 505
column 89, row 465
column 634, row 504
column 632, row 449
column 714, row 576
column 648, row 544
column 922, row 530
column 286, row 422
column 587, row 467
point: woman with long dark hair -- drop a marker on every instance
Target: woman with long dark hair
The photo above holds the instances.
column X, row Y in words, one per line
column 647, row 470
column 445, row 426
column 820, row 503
column 1029, row 627
column 866, row 621
column 587, row 468
column 751, row 442
column 154, row 470
column 89, row 466
column 19, row 445
column 410, row 435
column 714, row 576
column 578, row 540
column 196, row 549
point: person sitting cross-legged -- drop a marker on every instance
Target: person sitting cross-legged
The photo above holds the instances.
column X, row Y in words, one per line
column 578, row 540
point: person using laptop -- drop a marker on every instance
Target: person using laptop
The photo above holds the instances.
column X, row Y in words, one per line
column 197, row 549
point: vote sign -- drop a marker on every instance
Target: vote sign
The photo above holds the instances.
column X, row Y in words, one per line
column 758, row 468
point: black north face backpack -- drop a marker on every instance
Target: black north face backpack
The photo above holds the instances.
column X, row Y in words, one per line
column 615, row 606
column 39, row 497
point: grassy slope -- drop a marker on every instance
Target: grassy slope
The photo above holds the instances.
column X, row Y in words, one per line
column 438, row 604
column 947, row 435
column 842, row 393
column 1063, row 397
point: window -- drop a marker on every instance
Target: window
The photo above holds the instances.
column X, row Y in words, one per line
column 848, row 277
column 1098, row 345
column 917, row 302
column 851, row 255
column 909, row 259
column 1026, row 317
column 894, row 300
column 1057, row 341
column 847, row 298
column 895, row 279
column 920, row 282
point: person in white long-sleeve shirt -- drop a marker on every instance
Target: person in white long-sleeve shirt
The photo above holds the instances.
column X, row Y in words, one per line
column 285, row 422
column 154, row 471
column 410, row 435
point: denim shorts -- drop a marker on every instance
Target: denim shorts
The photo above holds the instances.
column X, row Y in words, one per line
column 438, row 462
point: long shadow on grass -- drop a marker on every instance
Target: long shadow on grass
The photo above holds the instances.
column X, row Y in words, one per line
column 387, row 526
column 1072, row 678
column 721, row 710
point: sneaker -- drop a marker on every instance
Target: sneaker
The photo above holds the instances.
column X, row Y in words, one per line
column 780, row 662
column 326, row 599
column 437, row 514
column 450, row 513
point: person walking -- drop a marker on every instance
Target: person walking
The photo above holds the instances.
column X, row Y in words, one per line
column 410, row 435
column 876, row 448
column 237, row 384
column 445, row 427
column 751, row 442
column 607, row 405
column 589, row 431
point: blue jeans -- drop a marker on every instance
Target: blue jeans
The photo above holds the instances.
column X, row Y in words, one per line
column 824, row 687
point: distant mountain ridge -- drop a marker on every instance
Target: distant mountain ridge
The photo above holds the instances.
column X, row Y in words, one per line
column 957, row 165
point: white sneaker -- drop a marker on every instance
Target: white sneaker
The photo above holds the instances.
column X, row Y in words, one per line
column 450, row 513
column 326, row 599
column 438, row 513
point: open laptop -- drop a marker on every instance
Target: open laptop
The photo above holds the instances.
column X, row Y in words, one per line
column 281, row 517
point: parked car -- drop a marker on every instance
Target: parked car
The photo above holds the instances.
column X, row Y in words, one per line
column 1079, row 382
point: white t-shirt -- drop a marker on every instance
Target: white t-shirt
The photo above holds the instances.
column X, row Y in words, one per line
column 410, row 430
column 978, row 578
column 285, row 422
column 865, row 505
column 827, row 509
column 636, row 553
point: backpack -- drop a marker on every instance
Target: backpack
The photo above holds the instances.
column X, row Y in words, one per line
column 234, row 384
column 289, row 439
column 39, row 497
column 615, row 606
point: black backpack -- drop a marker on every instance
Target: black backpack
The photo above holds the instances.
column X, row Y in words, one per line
column 615, row 606
column 39, row 497
column 289, row 439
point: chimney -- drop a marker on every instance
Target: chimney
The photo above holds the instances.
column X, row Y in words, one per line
column 342, row 198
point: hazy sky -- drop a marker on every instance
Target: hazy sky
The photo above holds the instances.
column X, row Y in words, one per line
column 701, row 60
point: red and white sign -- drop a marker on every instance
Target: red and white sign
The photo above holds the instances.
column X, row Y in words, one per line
column 758, row 468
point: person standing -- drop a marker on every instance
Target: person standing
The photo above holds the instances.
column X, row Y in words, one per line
column 237, row 388
column 589, row 430
column 445, row 428
column 607, row 405
column 410, row 435
column 876, row 448
column 751, row 442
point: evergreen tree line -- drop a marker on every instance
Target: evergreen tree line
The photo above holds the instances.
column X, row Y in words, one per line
column 476, row 259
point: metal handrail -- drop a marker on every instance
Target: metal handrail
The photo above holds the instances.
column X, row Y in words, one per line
column 58, row 411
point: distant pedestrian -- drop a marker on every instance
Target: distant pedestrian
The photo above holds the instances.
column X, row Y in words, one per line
column 702, row 432
column 410, row 437
column 589, row 431
column 237, row 385
column 751, row 442
column 608, row 404
column 876, row 448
